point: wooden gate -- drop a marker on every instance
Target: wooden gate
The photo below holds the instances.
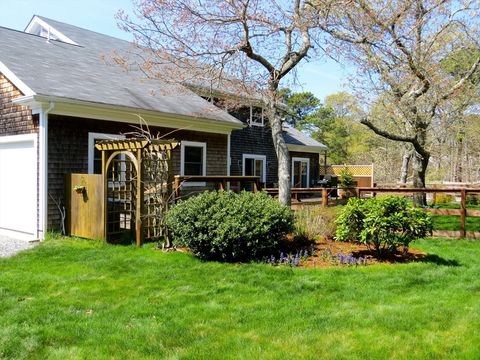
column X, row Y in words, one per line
column 85, row 206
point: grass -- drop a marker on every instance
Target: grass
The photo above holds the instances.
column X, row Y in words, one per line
column 79, row 299
column 452, row 223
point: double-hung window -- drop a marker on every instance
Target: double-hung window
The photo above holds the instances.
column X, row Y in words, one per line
column 256, row 116
column 255, row 165
column 193, row 160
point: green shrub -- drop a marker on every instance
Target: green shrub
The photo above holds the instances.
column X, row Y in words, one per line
column 384, row 223
column 228, row 226
column 472, row 200
column 442, row 198
column 346, row 178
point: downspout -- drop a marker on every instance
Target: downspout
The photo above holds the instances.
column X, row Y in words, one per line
column 43, row 169
column 229, row 160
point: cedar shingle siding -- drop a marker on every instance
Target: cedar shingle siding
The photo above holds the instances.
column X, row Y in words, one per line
column 14, row 119
column 257, row 140
column 68, row 151
column 254, row 140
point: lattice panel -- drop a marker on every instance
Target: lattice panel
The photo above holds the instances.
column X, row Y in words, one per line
column 121, row 199
column 157, row 193
column 356, row 170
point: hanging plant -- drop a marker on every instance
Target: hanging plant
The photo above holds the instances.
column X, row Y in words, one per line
column 79, row 189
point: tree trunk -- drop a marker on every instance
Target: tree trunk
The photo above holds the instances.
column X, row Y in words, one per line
column 283, row 155
column 419, row 167
column 405, row 163
column 283, row 158
column 421, row 157
column 458, row 171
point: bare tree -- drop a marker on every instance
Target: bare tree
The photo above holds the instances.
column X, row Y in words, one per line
column 240, row 47
column 398, row 46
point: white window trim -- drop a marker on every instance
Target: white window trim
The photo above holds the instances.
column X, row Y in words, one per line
column 254, row 123
column 256, row 157
column 204, row 160
column 92, row 136
column 307, row 160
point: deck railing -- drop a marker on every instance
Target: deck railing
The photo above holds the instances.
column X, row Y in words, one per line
column 220, row 182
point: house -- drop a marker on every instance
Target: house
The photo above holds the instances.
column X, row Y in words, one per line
column 58, row 96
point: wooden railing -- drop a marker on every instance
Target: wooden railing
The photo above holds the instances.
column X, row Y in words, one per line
column 296, row 192
column 325, row 194
column 219, row 181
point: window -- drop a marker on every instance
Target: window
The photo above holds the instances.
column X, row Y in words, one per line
column 300, row 172
column 193, row 160
column 94, row 155
column 256, row 116
column 255, row 165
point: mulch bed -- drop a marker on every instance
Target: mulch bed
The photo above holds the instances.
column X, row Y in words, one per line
column 359, row 251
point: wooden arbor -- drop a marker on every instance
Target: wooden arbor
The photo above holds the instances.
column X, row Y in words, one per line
column 138, row 178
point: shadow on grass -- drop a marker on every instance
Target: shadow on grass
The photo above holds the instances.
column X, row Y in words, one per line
column 435, row 259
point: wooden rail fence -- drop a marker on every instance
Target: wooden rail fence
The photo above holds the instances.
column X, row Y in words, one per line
column 463, row 212
column 324, row 194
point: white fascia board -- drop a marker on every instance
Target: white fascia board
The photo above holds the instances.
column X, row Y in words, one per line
column 306, row 148
column 37, row 22
column 19, row 84
column 76, row 108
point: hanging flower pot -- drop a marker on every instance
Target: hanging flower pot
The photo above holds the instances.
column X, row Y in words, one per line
column 79, row 189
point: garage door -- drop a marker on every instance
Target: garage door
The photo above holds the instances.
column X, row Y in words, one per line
column 18, row 186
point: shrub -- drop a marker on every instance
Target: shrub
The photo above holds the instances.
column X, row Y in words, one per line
column 314, row 222
column 442, row 198
column 382, row 223
column 472, row 200
column 346, row 178
column 228, row 226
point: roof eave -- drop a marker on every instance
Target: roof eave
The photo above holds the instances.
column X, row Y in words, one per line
column 98, row 111
column 307, row 148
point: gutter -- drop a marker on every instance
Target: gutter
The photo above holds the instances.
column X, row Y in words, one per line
column 306, row 148
column 100, row 111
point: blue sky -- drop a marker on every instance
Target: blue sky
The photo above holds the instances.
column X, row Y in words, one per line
column 321, row 78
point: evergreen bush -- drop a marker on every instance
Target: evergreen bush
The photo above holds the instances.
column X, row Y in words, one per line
column 384, row 224
column 230, row 227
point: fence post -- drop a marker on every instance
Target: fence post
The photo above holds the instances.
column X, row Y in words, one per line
column 463, row 210
column 324, row 197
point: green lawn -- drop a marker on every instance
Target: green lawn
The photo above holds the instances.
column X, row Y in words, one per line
column 78, row 299
column 452, row 223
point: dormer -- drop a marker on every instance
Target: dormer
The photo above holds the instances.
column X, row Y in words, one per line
column 40, row 27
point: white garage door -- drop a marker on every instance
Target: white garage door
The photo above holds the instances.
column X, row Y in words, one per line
column 18, row 186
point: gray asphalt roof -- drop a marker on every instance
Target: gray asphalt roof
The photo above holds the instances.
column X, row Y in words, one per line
column 80, row 73
column 296, row 137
